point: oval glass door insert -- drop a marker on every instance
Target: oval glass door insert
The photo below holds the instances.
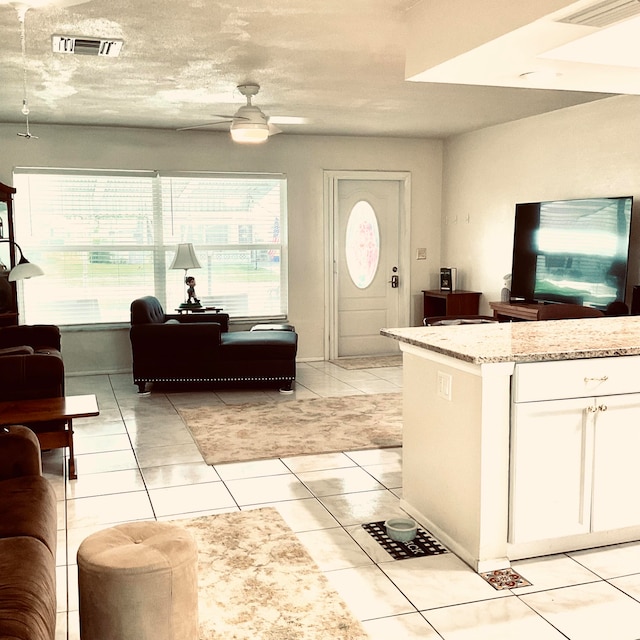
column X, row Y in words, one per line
column 362, row 244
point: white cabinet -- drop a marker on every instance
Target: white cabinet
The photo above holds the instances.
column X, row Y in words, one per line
column 574, row 466
column 616, row 468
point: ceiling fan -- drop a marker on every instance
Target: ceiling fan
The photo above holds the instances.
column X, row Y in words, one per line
column 22, row 6
column 248, row 124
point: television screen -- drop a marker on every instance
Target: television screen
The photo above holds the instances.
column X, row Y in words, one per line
column 572, row 251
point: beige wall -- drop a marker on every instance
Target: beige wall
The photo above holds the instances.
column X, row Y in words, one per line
column 588, row 150
column 302, row 158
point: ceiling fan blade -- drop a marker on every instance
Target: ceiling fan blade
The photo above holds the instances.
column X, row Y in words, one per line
column 273, row 130
column 288, row 120
column 205, row 124
column 226, row 119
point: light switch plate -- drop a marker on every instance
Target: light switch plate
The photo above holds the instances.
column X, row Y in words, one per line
column 445, row 382
column 421, row 253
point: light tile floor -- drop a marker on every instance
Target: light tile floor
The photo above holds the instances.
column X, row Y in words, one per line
column 138, row 461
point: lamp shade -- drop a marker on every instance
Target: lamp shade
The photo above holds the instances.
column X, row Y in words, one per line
column 25, row 270
column 185, row 257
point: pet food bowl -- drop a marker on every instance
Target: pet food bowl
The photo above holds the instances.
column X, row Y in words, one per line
column 401, row 529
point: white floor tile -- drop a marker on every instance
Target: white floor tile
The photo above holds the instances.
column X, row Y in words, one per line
column 410, row 626
column 330, row 482
column 611, row 562
column 298, row 464
column 369, row 593
column 305, row 515
column 629, row 584
column 174, row 475
column 502, row 619
column 438, row 581
column 376, row 456
column 172, row 454
column 252, row 469
column 253, row 491
column 388, row 475
column 108, row 461
column 551, row 572
column 98, row 443
column 363, row 507
column 110, row 509
column 333, row 549
column 589, row 612
column 97, row 484
column 190, row 498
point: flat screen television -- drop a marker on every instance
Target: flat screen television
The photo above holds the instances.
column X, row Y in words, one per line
column 573, row 251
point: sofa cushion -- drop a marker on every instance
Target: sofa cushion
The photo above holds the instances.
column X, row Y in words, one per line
column 27, row 377
column 28, row 590
column 24, row 349
column 38, row 336
column 258, row 345
column 147, row 310
column 29, row 508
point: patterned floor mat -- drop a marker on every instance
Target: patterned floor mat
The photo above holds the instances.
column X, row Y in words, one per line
column 422, row 545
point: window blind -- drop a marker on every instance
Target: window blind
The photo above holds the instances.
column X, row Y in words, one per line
column 105, row 238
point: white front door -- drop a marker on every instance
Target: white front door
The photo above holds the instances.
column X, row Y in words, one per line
column 369, row 284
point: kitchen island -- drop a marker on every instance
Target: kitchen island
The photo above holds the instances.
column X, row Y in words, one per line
column 522, row 439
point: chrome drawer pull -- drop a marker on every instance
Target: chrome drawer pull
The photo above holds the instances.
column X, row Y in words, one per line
column 602, row 379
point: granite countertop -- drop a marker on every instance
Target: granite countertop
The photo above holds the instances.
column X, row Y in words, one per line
column 528, row 341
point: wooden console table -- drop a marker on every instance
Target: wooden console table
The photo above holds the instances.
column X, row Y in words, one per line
column 507, row 311
column 451, row 303
column 28, row 412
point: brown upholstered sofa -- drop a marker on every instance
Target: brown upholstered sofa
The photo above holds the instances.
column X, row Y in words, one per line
column 198, row 348
column 28, row 524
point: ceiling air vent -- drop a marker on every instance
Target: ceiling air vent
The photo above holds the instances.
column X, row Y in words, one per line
column 604, row 14
column 87, row 46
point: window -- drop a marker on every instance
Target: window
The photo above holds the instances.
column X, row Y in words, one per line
column 362, row 244
column 105, row 238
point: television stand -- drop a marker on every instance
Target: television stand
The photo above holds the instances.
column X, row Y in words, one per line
column 510, row 311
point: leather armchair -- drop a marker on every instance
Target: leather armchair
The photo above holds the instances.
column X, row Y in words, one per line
column 31, row 366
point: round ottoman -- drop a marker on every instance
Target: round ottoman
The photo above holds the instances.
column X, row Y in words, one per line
column 138, row 581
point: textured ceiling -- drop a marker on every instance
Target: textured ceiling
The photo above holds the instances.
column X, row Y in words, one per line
column 338, row 63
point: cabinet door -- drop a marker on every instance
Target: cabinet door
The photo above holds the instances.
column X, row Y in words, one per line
column 550, row 492
column 616, row 470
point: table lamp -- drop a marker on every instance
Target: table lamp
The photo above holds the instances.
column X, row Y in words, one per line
column 24, row 269
column 186, row 259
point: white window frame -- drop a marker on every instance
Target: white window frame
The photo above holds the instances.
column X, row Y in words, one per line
column 167, row 231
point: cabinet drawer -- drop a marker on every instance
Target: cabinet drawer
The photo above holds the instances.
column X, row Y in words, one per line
column 533, row 381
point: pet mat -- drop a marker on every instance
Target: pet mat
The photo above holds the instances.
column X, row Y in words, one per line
column 422, row 545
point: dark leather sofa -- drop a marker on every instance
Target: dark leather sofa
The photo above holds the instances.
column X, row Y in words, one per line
column 28, row 538
column 198, row 348
column 31, row 366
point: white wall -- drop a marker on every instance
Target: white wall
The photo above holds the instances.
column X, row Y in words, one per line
column 302, row 158
column 582, row 151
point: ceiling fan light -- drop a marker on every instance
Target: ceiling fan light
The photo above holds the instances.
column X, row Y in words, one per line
column 249, row 132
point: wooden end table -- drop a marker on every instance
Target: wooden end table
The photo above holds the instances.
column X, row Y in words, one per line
column 28, row 412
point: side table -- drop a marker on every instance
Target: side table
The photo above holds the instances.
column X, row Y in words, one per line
column 451, row 303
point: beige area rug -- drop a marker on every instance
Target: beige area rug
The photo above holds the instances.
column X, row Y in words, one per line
column 235, row 433
column 369, row 362
column 257, row 582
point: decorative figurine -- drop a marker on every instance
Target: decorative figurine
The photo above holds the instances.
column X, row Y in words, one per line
column 190, row 281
